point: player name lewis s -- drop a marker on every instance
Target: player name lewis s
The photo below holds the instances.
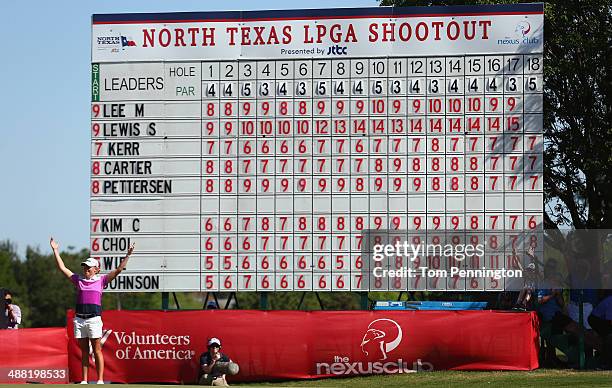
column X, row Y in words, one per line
column 128, row 129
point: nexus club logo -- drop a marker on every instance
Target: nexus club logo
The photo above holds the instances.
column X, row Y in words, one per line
column 382, row 336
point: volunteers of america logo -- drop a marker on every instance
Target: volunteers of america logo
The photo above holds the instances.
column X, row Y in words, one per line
column 382, row 336
column 134, row 346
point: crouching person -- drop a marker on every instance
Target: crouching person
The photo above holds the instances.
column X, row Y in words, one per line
column 214, row 365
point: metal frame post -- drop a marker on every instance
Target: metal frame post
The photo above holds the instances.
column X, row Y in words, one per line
column 165, row 300
column 364, row 301
column 263, row 301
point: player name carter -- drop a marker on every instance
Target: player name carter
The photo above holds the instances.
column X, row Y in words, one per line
column 128, row 167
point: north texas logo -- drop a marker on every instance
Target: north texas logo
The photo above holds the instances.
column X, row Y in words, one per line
column 382, row 336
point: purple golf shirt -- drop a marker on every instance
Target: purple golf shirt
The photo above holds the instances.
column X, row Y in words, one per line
column 89, row 293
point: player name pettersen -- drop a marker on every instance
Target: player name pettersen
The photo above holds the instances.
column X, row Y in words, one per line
column 140, row 186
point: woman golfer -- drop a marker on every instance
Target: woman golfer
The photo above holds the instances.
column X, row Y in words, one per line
column 88, row 320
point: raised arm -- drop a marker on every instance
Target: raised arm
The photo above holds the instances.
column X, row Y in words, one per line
column 517, row 260
column 113, row 274
column 58, row 259
column 531, row 253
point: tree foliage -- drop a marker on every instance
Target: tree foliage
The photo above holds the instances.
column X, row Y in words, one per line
column 578, row 114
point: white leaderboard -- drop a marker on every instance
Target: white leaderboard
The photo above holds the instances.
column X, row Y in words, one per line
column 250, row 151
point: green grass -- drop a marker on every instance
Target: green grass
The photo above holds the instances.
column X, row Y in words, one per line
column 538, row 378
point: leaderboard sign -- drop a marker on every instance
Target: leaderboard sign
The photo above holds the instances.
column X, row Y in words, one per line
column 251, row 151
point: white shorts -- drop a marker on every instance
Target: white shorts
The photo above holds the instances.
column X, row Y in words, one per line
column 88, row 328
column 574, row 313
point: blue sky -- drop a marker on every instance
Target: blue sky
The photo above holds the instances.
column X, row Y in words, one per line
column 45, row 110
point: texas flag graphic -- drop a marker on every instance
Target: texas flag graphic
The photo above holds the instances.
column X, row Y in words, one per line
column 126, row 42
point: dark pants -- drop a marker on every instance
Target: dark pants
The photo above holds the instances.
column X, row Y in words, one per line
column 207, row 379
column 559, row 321
column 604, row 329
column 601, row 326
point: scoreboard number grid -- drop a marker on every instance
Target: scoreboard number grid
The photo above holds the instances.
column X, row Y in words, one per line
column 267, row 173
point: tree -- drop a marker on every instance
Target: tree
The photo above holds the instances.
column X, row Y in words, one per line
column 290, row 300
column 132, row 301
column 8, row 266
column 11, row 269
column 578, row 114
column 578, row 127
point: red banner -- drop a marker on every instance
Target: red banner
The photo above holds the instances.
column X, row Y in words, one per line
column 158, row 346
column 34, row 355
